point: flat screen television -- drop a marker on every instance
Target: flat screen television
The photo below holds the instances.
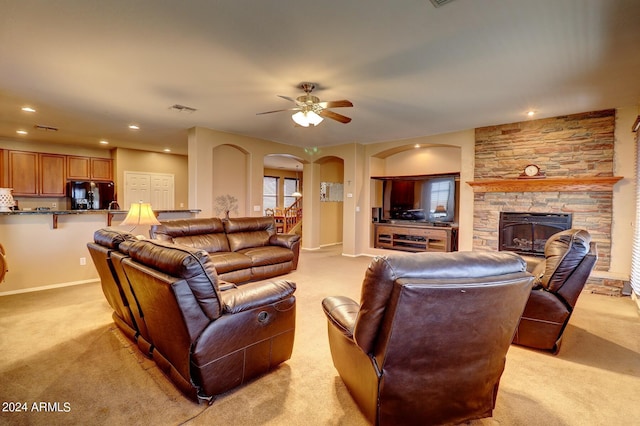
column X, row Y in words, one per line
column 424, row 198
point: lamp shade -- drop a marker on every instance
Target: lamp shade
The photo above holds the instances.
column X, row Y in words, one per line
column 6, row 199
column 140, row 214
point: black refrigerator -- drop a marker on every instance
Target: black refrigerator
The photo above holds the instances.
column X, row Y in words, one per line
column 88, row 195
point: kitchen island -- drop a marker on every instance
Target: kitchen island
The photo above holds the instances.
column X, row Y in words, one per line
column 48, row 248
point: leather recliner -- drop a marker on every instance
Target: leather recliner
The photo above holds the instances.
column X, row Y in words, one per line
column 570, row 256
column 101, row 250
column 427, row 343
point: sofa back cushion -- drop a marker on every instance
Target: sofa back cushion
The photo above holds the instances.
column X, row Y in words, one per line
column 192, row 265
column 563, row 253
column 246, row 232
column 446, row 268
column 111, row 238
column 201, row 233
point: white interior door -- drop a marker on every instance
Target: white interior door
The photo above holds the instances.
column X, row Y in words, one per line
column 162, row 192
column 155, row 188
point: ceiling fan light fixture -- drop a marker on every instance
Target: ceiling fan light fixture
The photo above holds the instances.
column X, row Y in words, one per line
column 305, row 118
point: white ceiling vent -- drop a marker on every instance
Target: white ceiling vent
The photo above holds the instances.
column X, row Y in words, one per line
column 46, row 128
column 438, row 3
column 182, row 108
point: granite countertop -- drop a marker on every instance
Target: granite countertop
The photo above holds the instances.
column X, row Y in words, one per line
column 61, row 212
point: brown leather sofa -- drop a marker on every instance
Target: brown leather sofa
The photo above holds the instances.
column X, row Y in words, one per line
column 205, row 337
column 570, row 256
column 241, row 249
column 427, row 343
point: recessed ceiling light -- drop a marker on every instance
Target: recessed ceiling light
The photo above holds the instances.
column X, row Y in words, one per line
column 531, row 113
column 134, row 127
column 167, row 150
column 103, row 142
column 28, row 109
column 417, row 145
column 22, row 132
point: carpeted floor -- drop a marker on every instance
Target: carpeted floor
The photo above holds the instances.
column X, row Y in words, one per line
column 64, row 362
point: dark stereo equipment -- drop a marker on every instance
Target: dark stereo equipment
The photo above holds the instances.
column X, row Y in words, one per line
column 376, row 214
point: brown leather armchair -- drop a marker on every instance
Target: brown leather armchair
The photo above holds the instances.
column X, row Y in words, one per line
column 427, row 344
column 559, row 279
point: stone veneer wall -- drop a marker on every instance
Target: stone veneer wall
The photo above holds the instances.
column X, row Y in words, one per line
column 578, row 145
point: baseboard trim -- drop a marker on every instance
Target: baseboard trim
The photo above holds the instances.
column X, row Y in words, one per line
column 635, row 297
column 48, row 287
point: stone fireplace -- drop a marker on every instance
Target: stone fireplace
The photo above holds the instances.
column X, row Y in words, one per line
column 576, row 154
column 526, row 233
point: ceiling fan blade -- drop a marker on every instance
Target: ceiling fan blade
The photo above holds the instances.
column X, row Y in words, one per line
column 278, row 110
column 287, row 98
column 334, row 115
column 336, row 104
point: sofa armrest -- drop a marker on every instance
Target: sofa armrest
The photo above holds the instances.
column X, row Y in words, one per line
column 284, row 240
column 342, row 312
column 253, row 295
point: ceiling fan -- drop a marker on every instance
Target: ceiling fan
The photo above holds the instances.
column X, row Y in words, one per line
column 310, row 110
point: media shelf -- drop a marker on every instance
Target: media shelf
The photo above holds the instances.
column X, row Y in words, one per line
column 416, row 237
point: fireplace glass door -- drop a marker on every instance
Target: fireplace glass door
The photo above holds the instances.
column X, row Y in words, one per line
column 527, row 233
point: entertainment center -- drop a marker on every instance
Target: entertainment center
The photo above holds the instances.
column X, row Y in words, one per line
column 416, row 237
column 416, row 213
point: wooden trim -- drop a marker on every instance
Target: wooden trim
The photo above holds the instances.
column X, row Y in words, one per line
column 579, row 184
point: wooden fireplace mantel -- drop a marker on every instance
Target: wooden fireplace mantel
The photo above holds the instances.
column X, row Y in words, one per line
column 548, row 184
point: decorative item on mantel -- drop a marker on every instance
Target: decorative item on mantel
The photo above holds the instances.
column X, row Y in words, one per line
column 226, row 203
column 6, row 199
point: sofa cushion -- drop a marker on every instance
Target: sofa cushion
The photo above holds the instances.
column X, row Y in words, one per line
column 229, row 261
column 192, row 265
column 248, row 232
column 202, row 233
column 267, row 255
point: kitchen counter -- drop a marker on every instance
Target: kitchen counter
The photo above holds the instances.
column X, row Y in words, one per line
column 110, row 213
column 42, row 256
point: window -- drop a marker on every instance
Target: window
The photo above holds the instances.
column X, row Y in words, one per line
column 269, row 192
column 290, row 186
column 441, row 199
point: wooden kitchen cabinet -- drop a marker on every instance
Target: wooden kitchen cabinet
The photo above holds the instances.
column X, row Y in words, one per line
column 101, row 169
column 89, row 168
column 78, row 168
column 36, row 174
column 52, row 180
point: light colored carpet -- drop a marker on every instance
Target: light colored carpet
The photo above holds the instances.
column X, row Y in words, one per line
column 60, row 347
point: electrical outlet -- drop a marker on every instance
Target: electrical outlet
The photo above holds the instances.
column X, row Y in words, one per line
column 181, row 205
column 54, row 205
column 83, row 261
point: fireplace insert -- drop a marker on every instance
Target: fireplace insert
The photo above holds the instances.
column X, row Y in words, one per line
column 526, row 233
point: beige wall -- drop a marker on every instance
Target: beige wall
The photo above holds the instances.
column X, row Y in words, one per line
column 131, row 160
column 205, row 183
column 331, row 212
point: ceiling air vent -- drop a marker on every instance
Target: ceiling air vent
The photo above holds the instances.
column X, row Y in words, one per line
column 438, row 3
column 182, row 108
column 45, row 128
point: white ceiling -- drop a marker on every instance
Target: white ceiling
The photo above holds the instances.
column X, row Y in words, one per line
column 91, row 67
